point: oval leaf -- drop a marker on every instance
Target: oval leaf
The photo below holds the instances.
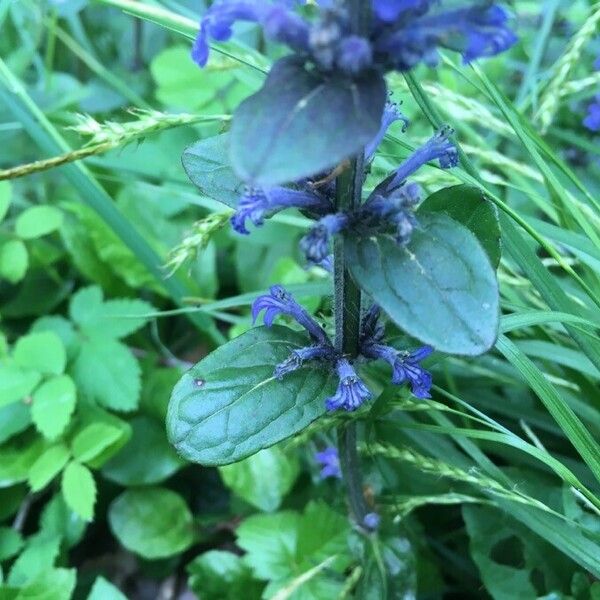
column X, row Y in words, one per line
column 441, row 290
column 229, row 406
column 152, row 522
column 208, row 166
column 468, row 206
column 300, row 124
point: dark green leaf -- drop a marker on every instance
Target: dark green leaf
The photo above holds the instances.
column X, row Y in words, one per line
column 230, row 406
column 441, row 290
column 300, row 124
column 132, row 467
column 468, row 206
column 219, row 575
column 152, row 522
column 208, row 166
column 247, row 478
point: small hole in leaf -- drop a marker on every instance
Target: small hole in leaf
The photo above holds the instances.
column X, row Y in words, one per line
column 509, row 552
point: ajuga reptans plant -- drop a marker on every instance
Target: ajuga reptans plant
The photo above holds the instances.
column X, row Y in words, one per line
column 306, row 141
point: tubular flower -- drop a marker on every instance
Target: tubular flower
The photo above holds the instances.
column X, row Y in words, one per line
column 298, row 357
column 592, row 119
column 403, row 33
column 405, row 366
column 438, row 147
column 391, row 114
column 280, row 302
column 315, row 244
column 330, row 463
column 351, row 391
column 256, row 205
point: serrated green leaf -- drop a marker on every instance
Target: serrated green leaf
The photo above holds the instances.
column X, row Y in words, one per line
column 11, row 542
column 300, row 124
column 43, row 351
column 132, row 467
column 58, row 520
column 63, row 328
column 38, row 221
column 112, row 318
column 38, row 557
column 16, row 383
column 468, row 206
column 79, row 490
column 17, row 458
column 104, row 590
column 208, row 166
column 94, row 439
column 270, row 542
column 286, row 545
column 441, row 289
column 5, row 198
column 219, row 575
column 54, row 584
column 15, row 418
column 52, row 406
column 47, row 466
column 247, row 478
column 14, row 261
column 223, row 409
column 107, row 372
column 152, row 522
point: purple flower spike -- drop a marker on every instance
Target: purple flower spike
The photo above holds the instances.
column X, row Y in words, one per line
column 438, row 147
column 592, row 119
column 330, row 463
column 315, row 244
column 391, row 114
column 280, row 302
column 298, row 357
column 351, row 392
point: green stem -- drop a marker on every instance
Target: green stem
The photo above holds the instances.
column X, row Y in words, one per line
column 347, row 299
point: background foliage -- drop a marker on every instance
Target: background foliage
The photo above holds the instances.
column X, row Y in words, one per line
column 489, row 490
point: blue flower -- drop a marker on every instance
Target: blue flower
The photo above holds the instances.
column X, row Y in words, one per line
column 592, row 119
column 405, row 366
column 391, row 114
column 278, row 21
column 330, row 463
column 351, row 391
column 394, row 209
column 280, row 302
column 298, row 357
column 438, row 147
column 389, row 11
column 403, row 32
column 354, row 54
column 256, row 205
column 413, row 32
column 315, row 244
column 371, row 521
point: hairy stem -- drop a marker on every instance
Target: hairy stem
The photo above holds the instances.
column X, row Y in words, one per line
column 347, row 330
